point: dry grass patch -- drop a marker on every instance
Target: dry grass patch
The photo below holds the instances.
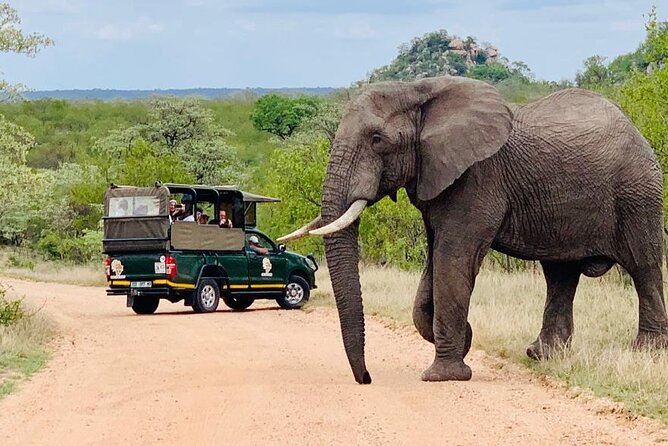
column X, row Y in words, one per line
column 506, row 315
column 21, row 264
column 22, row 347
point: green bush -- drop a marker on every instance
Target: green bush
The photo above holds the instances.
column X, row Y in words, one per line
column 11, row 311
column 20, row 261
column 83, row 249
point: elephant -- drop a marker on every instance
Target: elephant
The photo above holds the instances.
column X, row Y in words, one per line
column 566, row 180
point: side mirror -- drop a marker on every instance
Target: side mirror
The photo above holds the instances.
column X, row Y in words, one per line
column 281, row 247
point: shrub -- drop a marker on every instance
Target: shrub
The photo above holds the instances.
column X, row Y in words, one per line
column 11, row 311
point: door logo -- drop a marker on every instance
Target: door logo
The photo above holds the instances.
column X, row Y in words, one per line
column 117, row 269
column 266, row 265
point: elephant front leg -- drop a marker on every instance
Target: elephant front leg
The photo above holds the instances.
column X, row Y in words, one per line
column 452, row 333
column 562, row 281
column 423, row 309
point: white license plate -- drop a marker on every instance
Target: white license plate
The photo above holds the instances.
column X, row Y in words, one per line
column 140, row 284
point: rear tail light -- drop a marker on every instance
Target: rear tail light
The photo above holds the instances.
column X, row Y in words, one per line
column 107, row 267
column 170, row 266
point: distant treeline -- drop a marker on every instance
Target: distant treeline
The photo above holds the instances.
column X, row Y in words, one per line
column 206, row 93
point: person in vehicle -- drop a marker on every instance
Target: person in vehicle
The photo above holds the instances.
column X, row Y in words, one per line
column 202, row 218
column 255, row 246
column 223, row 221
column 187, row 213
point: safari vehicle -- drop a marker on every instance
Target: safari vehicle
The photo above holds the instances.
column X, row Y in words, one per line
column 152, row 256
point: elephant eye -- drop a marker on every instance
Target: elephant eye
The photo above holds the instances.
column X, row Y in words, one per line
column 375, row 139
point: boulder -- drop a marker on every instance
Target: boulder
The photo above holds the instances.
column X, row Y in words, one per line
column 492, row 51
column 456, row 44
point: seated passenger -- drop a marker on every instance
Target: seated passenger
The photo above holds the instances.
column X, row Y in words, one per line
column 223, row 221
column 187, row 213
column 202, row 218
column 254, row 245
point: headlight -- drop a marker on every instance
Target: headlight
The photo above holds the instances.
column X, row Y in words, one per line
column 310, row 263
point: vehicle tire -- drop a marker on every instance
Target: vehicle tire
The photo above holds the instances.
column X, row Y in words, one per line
column 207, row 296
column 296, row 293
column 237, row 303
column 145, row 305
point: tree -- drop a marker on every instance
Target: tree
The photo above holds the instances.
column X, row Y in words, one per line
column 492, row 72
column 595, row 73
column 178, row 131
column 13, row 40
column 280, row 115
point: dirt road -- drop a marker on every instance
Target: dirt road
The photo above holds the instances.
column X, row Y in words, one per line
column 270, row 376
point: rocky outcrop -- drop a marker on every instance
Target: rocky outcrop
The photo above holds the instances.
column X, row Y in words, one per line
column 436, row 54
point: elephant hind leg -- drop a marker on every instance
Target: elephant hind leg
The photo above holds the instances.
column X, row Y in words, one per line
column 652, row 320
column 562, row 281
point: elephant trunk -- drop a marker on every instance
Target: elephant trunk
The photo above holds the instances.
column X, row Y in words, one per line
column 342, row 252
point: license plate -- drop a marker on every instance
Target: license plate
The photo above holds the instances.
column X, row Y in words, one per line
column 140, row 284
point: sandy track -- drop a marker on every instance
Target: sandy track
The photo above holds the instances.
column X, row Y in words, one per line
column 270, row 376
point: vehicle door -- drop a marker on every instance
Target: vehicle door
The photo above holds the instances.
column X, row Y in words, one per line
column 236, row 265
column 266, row 272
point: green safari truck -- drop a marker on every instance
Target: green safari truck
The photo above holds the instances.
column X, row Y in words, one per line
column 160, row 249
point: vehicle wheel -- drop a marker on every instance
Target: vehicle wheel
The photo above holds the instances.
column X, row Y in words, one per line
column 296, row 294
column 237, row 303
column 145, row 305
column 207, row 296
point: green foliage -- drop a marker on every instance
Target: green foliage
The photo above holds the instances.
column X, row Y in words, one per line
column 84, row 249
column 295, row 174
column 595, row 73
column 280, row 115
column 425, row 56
column 393, row 234
column 656, row 44
column 14, row 40
column 11, row 311
column 492, row 72
column 252, row 145
column 179, row 142
column 65, row 131
column 457, row 62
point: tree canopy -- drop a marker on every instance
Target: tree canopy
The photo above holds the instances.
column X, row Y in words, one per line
column 281, row 115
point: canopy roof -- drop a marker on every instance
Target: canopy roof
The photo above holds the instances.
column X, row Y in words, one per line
column 247, row 196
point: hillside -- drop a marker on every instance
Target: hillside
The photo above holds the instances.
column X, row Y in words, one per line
column 207, row 93
column 435, row 54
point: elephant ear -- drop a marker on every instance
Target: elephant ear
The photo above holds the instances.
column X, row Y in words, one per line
column 463, row 121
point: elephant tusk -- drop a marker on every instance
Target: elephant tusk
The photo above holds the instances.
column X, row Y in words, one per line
column 303, row 231
column 352, row 214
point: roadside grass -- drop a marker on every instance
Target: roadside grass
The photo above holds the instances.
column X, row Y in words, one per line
column 23, row 349
column 23, row 264
column 506, row 315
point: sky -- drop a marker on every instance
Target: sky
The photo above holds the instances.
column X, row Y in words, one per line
column 160, row 44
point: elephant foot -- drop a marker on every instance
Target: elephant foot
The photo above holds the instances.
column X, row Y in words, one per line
column 447, row 371
column 651, row 340
column 541, row 349
column 428, row 335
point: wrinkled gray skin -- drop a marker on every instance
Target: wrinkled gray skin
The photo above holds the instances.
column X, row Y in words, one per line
column 566, row 180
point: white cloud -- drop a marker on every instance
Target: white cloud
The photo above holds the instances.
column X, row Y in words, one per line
column 124, row 32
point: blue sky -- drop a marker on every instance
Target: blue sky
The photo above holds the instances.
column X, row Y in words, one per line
column 299, row 43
